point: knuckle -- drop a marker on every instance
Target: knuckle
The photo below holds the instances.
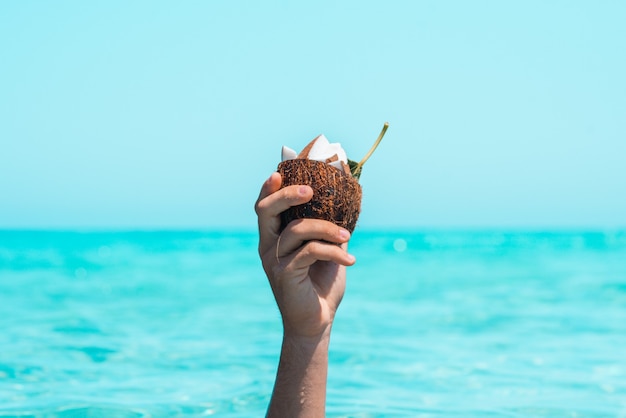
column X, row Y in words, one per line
column 305, row 250
column 259, row 207
column 311, row 248
column 291, row 193
column 297, row 226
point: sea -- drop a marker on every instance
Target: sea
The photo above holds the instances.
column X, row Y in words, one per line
column 434, row 323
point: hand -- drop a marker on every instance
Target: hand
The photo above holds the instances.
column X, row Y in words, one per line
column 305, row 264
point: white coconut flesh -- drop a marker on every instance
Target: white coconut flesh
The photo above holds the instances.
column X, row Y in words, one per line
column 321, row 150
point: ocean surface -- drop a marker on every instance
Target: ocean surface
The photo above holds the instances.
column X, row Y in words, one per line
column 433, row 324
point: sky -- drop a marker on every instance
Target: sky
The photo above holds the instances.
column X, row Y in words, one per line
column 143, row 114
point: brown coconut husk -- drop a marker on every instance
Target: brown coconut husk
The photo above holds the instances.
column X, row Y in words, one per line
column 336, row 195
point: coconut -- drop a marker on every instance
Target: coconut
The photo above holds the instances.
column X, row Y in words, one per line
column 332, row 176
column 336, row 195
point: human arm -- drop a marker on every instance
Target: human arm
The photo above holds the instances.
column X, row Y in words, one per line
column 306, row 267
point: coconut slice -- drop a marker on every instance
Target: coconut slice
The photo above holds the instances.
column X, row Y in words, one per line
column 320, row 149
column 288, row 154
column 337, row 164
column 305, row 151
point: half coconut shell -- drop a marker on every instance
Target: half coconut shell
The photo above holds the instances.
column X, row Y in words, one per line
column 336, row 195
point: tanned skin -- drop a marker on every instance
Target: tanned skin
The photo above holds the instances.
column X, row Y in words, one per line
column 306, row 268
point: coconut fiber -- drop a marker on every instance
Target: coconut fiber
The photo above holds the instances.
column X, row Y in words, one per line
column 336, row 195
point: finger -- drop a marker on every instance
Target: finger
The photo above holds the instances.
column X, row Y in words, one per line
column 318, row 251
column 270, row 207
column 281, row 200
column 303, row 230
column 267, row 225
column 271, row 185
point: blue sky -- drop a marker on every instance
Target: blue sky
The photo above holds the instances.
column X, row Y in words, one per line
column 171, row 114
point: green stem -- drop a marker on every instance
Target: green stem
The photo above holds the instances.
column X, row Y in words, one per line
column 371, row 151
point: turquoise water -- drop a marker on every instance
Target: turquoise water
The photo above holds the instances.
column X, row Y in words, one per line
column 434, row 324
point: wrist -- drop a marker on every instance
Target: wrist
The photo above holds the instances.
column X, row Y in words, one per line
column 320, row 337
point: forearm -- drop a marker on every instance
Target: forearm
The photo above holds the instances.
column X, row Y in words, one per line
column 300, row 388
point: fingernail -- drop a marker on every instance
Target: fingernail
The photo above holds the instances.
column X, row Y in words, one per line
column 303, row 190
column 343, row 233
column 351, row 258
